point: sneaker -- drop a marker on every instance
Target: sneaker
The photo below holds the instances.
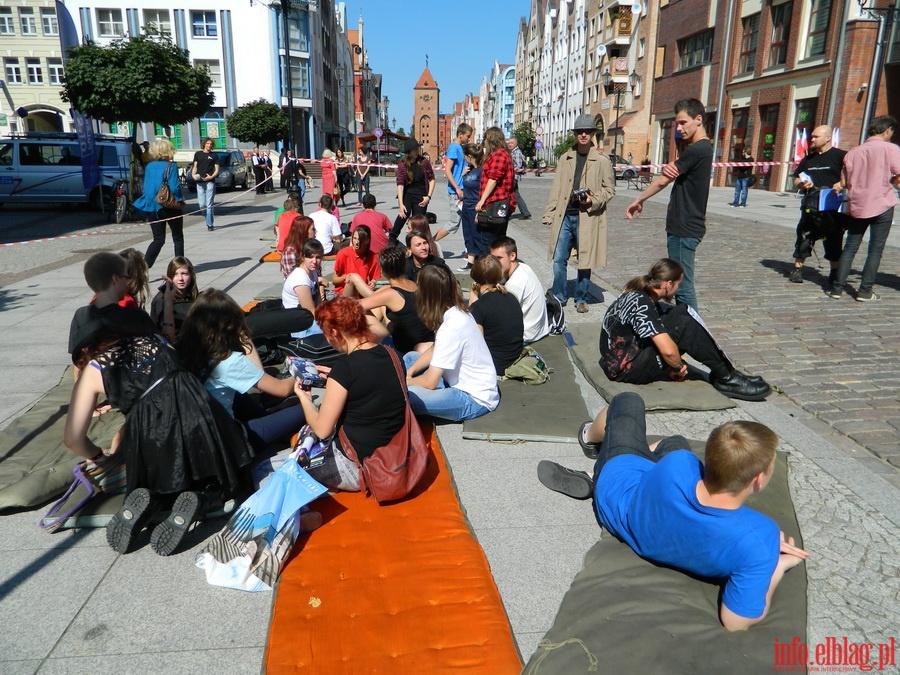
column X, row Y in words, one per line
column 867, row 297
column 136, row 512
column 210, row 228
column 737, row 385
column 464, row 268
column 796, row 275
column 574, row 484
column 742, row 206
column 581, row 307
column 590, row 450
column 186, row 510
column 834, row 293
column 733, row 205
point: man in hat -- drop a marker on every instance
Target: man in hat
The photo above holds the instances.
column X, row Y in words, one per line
column 690, row 173
column 583, row 185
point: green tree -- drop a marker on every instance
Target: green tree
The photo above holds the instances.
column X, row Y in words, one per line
column 524, row 134
column 137, row 79
column 400, row 132
column 258, row 122
column 564, row 145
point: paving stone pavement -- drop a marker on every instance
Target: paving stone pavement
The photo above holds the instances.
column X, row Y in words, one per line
column 835, row 359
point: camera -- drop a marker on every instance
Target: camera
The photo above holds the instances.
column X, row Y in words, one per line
column 580, row 194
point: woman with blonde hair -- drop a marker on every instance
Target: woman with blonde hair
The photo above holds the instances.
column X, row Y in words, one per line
column 162, row 154
column 329, row 173
column 498, row 177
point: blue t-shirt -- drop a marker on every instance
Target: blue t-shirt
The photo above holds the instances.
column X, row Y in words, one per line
column 455, row 152
column 653, row 507
column 471, row 186
column 237, row 373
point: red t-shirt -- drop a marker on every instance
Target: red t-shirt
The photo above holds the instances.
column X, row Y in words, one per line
column 379, row 225
column 285, row 220
column 348, row 261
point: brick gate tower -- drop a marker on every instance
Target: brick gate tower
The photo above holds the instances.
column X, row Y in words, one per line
column 425, row 113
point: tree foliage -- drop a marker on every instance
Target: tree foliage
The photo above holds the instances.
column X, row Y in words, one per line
column 564, row 145
column 259, row 122
column 524, row 134
column 137, row 79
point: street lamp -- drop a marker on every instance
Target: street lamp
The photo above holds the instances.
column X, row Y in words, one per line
column 633, row 79
column 886, row 16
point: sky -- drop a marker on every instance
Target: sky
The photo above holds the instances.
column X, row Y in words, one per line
column 462, row 39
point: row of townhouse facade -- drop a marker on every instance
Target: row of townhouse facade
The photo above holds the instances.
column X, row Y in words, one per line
column 765, row 70
column 319, row 73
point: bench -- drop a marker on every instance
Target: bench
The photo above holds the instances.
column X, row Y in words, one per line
column 641, row 180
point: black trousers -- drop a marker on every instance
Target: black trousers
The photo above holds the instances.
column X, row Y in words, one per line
column 159, row 234
column 259, row 177
column 691, row 338
column 411, row 202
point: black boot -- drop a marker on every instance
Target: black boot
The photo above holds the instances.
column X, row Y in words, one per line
column 737, row 385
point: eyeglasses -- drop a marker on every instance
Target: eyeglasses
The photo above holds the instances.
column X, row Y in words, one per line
column 584, row 132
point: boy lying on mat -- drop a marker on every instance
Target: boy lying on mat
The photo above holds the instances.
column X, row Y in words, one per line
column 671, row 509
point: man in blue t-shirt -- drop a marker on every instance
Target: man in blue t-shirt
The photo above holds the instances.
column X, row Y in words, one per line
column 672, row 509
column 454, row 167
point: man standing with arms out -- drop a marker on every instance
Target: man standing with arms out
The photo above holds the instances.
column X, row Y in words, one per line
column 870, row 172
column 819, row 170
column 522, row 282
column 454, row 167
column 378, row 224
column 686, row 217
column 583, row 185
column 204, row 169
column 518, row 160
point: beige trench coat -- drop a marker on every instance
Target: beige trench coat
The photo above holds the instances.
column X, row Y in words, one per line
column 599, row 177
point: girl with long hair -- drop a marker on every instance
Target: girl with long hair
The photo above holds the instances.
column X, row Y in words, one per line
column 392, row 309
column 363, row 394
column 415, row 185
column 138, row 279
column 498, row 176
column 343, row 175
column 214, row 344
column 302, row 229
column 497, row 313
column 455, row 379
column 476, row 244
column 356, row 267
column 167, row 310
column 420, row 224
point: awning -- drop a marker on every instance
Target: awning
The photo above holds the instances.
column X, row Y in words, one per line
column 370, row 138
column 623, row 120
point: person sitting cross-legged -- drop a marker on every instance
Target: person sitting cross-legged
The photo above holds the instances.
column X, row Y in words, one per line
column 642, row 338
column 675, row 510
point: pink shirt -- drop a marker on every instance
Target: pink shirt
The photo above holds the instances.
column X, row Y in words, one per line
column 379, row 226
column 868, row 169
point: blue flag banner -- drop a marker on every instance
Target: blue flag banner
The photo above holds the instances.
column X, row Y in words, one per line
column 90, row 167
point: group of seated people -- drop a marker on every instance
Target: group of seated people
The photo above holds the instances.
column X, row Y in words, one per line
column 188, row 377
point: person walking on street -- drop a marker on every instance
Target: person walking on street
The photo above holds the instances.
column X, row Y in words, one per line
column 819, row 170
column 454, row 167
column 871, row 171
column 583, row 185
column 690, row 174
column 742, row 182
column 162, row 167
column 205, row 168
column 518, row 160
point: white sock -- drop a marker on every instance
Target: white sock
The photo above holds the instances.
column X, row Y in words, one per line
column 584, row 433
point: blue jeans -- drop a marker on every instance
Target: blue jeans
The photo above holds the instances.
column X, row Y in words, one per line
column 683, row 250
column 206, row 193
column 568, row 238
column 264, row 428
column 362, row 184
column 446, row 403
column 879, row 228
column 741, row 187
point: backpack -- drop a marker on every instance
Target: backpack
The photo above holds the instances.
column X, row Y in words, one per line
column 529, row 367
column 555, row 315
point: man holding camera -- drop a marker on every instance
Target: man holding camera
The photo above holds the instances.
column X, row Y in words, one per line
column 583, row 185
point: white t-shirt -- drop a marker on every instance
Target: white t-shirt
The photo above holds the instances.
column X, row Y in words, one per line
column 461, row 352
column 299, row 277
column 327, row 226
column 527, row 288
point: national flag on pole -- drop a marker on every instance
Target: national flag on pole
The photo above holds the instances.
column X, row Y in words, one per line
column 801, row 145
column 836, row 137
column 90, row 167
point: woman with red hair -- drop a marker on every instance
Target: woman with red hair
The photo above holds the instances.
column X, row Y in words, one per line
column 302, row 228
column 363, row 394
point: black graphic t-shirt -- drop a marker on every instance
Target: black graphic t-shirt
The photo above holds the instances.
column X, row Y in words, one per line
column 824, row 168
column 629, row 326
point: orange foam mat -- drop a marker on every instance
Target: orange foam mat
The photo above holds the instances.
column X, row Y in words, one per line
column 271, row 256
column 401, row 588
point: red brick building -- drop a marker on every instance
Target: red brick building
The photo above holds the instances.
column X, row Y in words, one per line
column 426, row 100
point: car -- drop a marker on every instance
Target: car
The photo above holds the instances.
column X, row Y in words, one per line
column 232, row 171
column 623, row 168
column 42, row 167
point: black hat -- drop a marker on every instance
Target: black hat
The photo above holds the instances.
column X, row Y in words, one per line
column 410, row 144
